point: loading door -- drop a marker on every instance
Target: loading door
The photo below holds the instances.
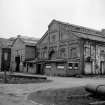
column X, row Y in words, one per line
column 17, row 60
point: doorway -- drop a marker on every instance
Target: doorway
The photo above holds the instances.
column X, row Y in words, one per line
column 17, row 61
column 102, row 67
column 88, row 68
column 40, row 68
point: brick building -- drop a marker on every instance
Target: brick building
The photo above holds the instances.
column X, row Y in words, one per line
column 23, row 54
column 67, row 49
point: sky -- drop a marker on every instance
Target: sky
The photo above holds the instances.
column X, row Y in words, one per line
column 32, row 17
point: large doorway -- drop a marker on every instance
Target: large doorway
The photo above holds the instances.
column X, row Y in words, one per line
column 40, row 68
column 17, row 60
column 88, row 68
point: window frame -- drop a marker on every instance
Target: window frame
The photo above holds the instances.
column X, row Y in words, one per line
column 73, row 67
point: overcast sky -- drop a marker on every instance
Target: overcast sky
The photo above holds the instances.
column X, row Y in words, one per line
column 31, row 17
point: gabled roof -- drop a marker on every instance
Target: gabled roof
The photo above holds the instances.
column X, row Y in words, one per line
column 83, row 32
column 10, row 41
column 29, row 41
column 43, row 37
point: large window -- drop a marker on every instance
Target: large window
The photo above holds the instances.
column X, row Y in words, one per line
column 53, row 52
column 62, row 52
column 87, row 49
column 53, row 38
column 38, row 53
column 73, row 66
column 73, row 52
column 45, row 52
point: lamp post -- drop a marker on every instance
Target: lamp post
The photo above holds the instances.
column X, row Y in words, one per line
column 5, row 66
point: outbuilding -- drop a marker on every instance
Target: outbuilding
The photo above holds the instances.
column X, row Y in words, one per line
column 23, row 51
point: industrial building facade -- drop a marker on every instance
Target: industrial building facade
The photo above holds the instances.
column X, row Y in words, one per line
column 23, row 53
column 67, row 49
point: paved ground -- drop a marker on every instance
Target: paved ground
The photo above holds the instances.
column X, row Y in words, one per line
column 16, row 94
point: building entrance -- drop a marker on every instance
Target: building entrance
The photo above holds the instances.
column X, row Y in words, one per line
column 40, row 68
column 88, row 68
column 17, row 60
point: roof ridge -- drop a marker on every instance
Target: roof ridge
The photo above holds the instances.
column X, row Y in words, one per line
column 67, row 23
column 28, row 37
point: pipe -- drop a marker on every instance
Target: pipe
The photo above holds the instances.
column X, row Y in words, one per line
column 98, row 89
